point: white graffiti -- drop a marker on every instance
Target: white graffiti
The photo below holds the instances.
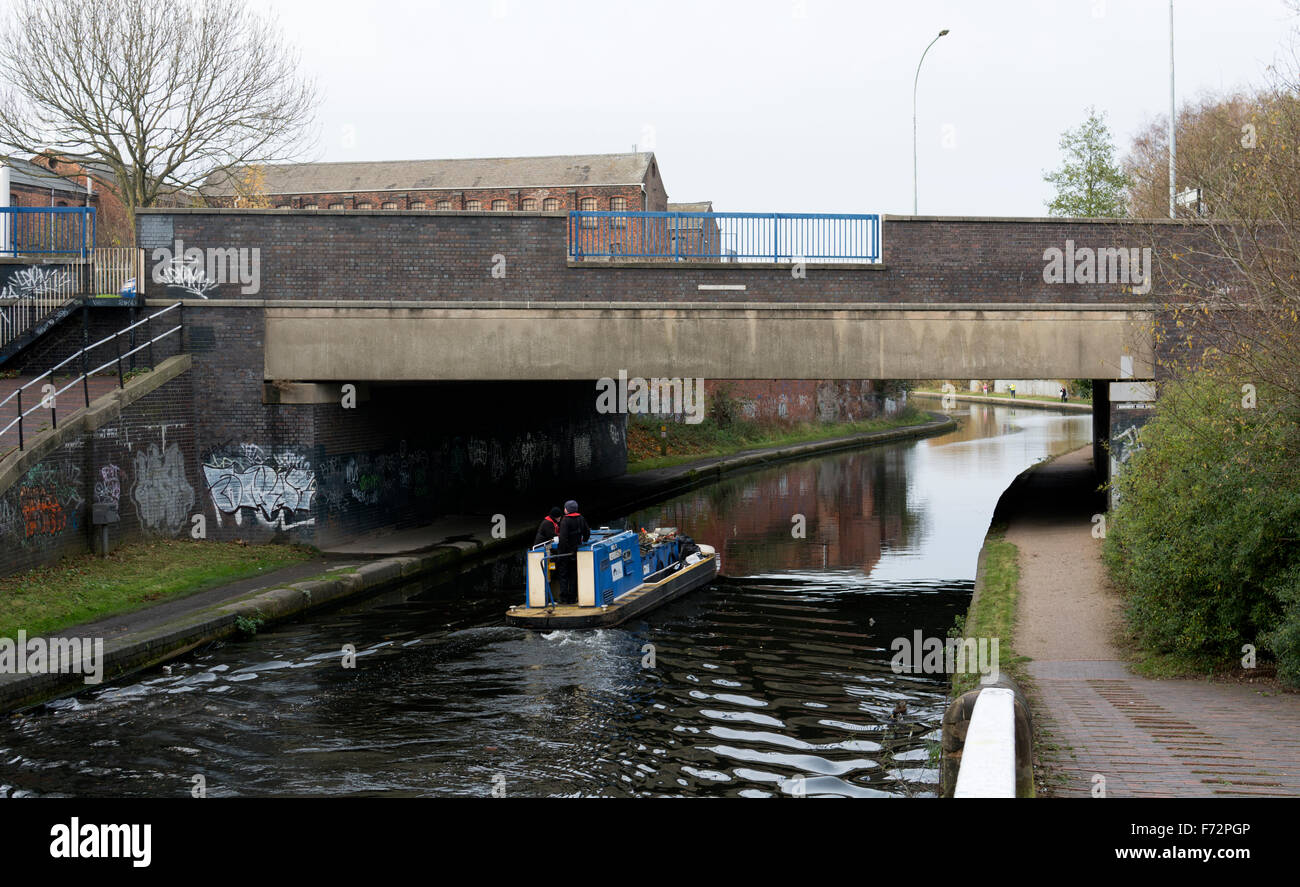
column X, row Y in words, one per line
column 108, row 489
column 162, row 495
column 186, row 276
column 275, row 489
column 29, row 283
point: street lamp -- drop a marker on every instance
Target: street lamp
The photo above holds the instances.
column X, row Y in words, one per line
column 915, row 80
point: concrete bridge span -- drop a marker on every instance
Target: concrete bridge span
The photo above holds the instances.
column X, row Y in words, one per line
column 346, row 341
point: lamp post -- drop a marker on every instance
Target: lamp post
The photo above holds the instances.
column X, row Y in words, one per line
column 916, row 80
column 1173, row 149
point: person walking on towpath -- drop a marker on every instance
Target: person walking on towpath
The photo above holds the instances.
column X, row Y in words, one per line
column 1012, row 389
column 1064, row 394
column 573, row 533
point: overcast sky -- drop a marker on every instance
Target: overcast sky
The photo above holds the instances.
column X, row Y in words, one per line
column 771, row 106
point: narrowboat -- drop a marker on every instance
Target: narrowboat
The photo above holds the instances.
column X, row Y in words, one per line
column 621, row 574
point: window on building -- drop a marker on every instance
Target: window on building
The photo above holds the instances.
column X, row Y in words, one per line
column 618, row 204
column 473, row 205
column 283, row 206
column 588, row 204
column 332, row 206
column 551, row 204
column 443, row 204
column 528, row 204
column 365, row 204
column 310, row 206
column 418, row 204
column 388, row 204
column 498, row 206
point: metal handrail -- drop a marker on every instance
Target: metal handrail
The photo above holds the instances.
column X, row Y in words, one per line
column 684, row 236
column 84, row 378
column 21, row 228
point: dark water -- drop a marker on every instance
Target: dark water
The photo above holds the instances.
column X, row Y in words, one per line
column 774, row 680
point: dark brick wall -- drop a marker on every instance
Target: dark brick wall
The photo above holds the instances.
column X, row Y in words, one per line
column 353, row 256
column 144, row 462
column 65, row 339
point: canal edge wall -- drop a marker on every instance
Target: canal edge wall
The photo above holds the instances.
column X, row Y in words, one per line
column 958, row 715
column 1008, row 402
column 138, row 650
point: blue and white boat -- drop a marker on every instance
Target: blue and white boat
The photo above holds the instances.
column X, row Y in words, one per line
column 621, row 574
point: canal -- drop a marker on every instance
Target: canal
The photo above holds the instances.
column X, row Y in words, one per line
column 775, row 680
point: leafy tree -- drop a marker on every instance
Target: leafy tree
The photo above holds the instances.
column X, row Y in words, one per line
column 1089, row 183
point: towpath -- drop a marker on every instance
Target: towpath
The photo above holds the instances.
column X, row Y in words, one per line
column 1100, row 724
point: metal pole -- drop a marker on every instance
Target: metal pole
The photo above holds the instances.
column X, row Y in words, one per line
column 1173, row 148
column 916, row 80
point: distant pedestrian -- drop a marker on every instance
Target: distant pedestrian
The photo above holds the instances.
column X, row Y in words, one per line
column 986, row 387
column 1012, row 389
column 1064, row 395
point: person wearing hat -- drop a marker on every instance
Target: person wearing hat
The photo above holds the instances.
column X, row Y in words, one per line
column 573, row 532
column 549, row 527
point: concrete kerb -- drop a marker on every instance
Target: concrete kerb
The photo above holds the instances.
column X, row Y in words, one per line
column 272, row 604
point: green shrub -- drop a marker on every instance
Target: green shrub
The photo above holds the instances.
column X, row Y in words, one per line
column 1203, row 540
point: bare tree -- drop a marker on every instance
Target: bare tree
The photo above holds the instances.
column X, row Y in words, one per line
column 163, row 94
column 1233, row 280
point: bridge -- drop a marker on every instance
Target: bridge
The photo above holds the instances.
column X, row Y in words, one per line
column 405, row 296
column 474, row 341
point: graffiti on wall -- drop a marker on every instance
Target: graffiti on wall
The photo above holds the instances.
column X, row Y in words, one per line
column 108, row 489
column 162, row 495
column 49, row 499
column 275, row 489
column 373, row 478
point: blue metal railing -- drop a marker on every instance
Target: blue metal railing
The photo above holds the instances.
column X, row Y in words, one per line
column 724, row 237
column 47, row 230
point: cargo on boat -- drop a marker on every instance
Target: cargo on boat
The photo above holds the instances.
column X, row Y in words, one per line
column 621, row 574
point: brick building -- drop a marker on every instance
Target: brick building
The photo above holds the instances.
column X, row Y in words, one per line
column 46, row 180
column 606, row 182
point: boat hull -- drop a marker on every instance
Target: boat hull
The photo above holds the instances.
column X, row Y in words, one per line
column 637, row 602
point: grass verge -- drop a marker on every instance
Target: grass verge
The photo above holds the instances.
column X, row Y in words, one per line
column 993, row 613
column 687, row 443
column 89, row 586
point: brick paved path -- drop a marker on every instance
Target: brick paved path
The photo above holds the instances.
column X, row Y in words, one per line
column 68, row 403
column 1146, row 738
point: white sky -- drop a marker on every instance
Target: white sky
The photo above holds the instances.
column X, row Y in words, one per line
column 771, row 106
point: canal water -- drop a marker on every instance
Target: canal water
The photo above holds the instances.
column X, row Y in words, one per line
column 775, row 680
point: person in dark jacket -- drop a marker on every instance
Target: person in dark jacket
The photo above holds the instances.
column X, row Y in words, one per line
column 549, row 527
column 573, row 533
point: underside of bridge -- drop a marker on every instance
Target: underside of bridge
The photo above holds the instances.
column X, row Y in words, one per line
column 706, row 340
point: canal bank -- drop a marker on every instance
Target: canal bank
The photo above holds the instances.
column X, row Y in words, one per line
column 147, row 637
column 1068, row 407
column 1100, row 730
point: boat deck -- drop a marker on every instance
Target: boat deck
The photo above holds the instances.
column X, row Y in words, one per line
column 640, row 600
